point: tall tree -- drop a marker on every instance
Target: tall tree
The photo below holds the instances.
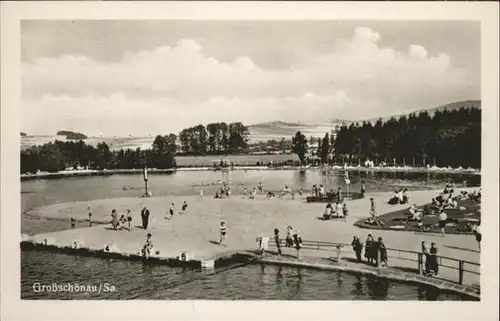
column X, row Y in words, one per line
column 299, row 146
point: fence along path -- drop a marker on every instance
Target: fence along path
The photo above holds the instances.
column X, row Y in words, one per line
column 450, row 269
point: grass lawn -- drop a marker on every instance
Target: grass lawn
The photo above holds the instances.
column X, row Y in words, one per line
column 456, row 223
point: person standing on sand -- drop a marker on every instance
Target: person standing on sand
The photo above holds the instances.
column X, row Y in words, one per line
column 184, row 207
column 363, row 188
column 289, row 236
column 442, row 221
column 172, row 210
column 73, row 222
column 260, row 187
column 297, row 241
column 129, row 219
column 145, row 218
column 201, row 193
column 90, row 215
column 223, row 232
column 114, row 219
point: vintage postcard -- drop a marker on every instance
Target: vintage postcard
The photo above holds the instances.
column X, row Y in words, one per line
column 182, row 155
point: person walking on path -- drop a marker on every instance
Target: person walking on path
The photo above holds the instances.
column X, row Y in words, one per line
column 443, row 217
column 357, row 246
column 368, row 248
column 223, row 232
column 425, row 256
column 145, row 218
column 383, row 253
column 277, row 240
column 297, row 241
column 433, row 260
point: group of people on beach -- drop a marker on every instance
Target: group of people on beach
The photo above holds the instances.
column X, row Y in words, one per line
column 338, row 210
column 375, row 251
column 400, row 197
column 123, row 222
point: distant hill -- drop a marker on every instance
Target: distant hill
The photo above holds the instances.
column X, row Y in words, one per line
column 451, row 106
column 258, row 132
column 278, row 129
column 71, row 135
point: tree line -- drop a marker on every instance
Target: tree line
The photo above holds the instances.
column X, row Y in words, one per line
column 57, row 156
column 448, row 138
column 215, row 138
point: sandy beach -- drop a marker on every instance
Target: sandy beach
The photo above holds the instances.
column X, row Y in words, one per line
column 197, row 230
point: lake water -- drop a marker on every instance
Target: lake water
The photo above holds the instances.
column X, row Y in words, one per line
column 134, row 280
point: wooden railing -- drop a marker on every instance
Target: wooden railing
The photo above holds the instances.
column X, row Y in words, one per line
column 461, row 266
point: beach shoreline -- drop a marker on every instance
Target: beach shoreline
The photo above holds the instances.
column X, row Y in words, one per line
column 153, row 171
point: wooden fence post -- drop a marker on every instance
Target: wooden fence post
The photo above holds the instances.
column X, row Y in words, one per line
column 378, row 258
column 460, row 272
column 420, row 263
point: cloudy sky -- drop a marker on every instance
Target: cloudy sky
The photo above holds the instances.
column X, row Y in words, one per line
column 141, row 78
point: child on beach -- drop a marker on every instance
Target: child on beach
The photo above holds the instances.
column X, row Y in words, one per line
column 184, row 207
column 223, row 232
column 73, row 222
column 260, row 187
column 339, row 210
column 90, row 215
column 148, row 246
column 201, row 193
column 129, row 219
column 443, row 217
column 345, row 211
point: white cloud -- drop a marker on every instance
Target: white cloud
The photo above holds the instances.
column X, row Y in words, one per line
column 178, row 86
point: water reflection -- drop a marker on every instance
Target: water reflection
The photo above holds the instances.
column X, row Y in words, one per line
column 378, row 289
column 358, row 290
